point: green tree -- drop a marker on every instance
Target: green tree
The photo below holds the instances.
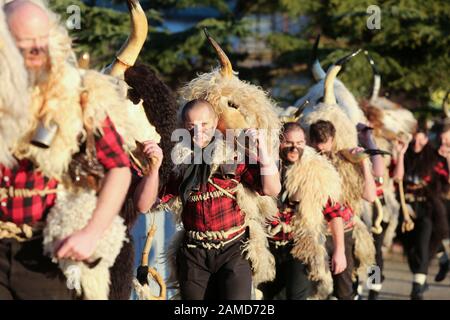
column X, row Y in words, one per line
column 410, row 49
column 177, row 57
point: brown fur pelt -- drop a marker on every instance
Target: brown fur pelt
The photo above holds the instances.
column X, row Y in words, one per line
column 122, row 272
column 313, row 180
column 160, row 107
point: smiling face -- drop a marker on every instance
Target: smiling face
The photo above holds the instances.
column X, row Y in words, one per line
column 201, row 121
column 30, row 27
column 419, row 142
column 292, row 143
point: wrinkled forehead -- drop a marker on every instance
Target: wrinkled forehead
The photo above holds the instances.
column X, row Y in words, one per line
column 294, row 135
column 28, row 21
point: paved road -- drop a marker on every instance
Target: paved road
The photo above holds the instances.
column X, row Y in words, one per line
column 397, row 285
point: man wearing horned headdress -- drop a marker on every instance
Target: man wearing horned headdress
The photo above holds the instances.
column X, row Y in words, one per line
column 42, row 207
column 332, row 133
column 307, row 205
column 224, row 198
column 210, row 260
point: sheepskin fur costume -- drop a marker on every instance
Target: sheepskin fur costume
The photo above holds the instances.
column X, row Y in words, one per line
column 14, row 97
column 251, row 102
column 351, row 175
column 58, row 102
column 313, row 181
column 257, row 209
column 72, row 211
column 345, row 100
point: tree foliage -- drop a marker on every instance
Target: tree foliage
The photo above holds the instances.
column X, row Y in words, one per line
column 410, row 49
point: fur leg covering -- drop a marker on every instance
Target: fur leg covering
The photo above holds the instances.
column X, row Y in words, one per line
column 364, row 247
column 122, row 272
column 258, row 210
column 71, row 212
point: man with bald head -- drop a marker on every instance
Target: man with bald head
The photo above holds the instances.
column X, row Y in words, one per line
column 25, row 272
column 211, row 261
column 29, row 25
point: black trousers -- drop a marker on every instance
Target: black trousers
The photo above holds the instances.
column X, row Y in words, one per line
column 26, row 274
column 378, row 240
column 417, row 241
column 291, row 277
column 343, row 288
column 214, row 274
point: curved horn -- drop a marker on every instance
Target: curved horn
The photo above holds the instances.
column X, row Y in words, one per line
column 300, row 110
column 316, row 69
column 376, row 77
column 329, row 97
column 129, row 52
column 226, row 69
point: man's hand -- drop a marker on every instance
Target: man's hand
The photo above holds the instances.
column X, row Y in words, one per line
column 153, row 152
column 258, row 138
column 338, row 262
column 400, row 147
column 79, row 246
column 444, row 151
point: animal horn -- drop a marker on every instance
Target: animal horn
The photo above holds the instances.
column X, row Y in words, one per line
column 329, row 97
column 376, row 77
column 129, row 52
column 226, row 69
column 316, row 69
column 300, row 110
column 360, row 156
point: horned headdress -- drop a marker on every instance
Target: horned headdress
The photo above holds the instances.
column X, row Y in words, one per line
column 344, row 99
column 239, row 104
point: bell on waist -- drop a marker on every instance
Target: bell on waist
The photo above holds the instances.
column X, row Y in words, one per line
column 43, row 136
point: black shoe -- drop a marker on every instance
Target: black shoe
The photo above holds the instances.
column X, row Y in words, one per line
column 373, row 295
column 418, row 290
column 443, row 270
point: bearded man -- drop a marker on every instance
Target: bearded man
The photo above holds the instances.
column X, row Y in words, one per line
column 40, row 199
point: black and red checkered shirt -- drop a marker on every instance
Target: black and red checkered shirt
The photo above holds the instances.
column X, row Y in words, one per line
column 214, row 214
column 336, row 210
column 284, row 216
column 24, row 176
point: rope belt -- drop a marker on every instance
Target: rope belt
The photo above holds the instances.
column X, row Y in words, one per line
column 21, row 233
column 215, row 235
column 205, row 243
column 11, row 192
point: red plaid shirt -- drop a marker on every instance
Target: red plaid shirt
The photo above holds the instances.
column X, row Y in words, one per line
column 337, row 210
column 285, row 216
column 214, row 214
column 24, row 176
